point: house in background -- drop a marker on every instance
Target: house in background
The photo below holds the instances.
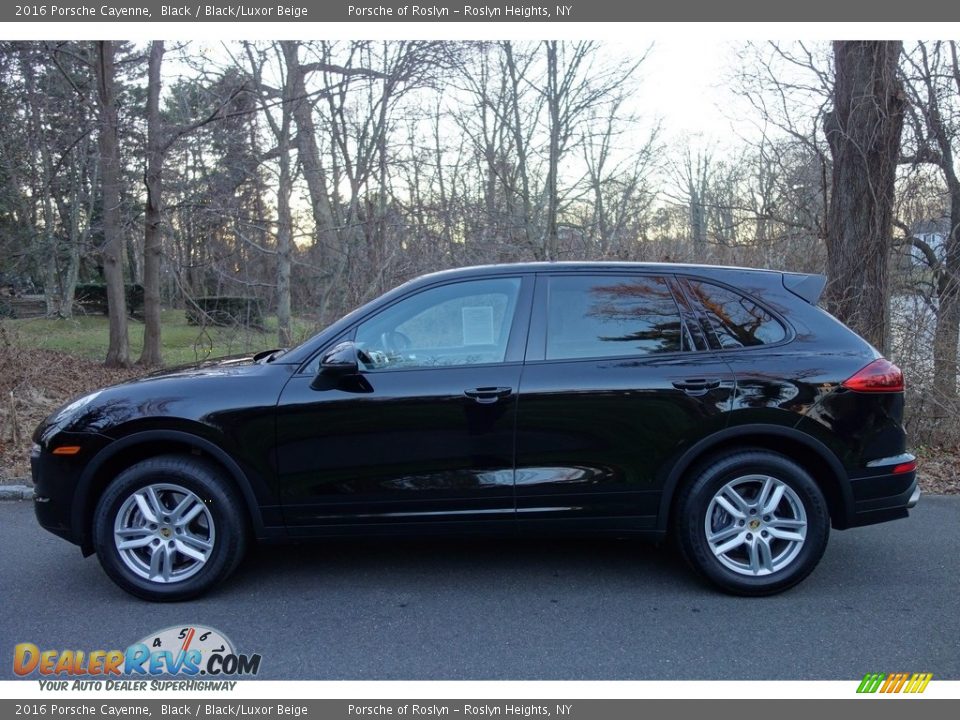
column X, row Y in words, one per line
column 934, row 233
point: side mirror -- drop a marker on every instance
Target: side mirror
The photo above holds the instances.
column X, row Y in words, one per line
column 340, row 360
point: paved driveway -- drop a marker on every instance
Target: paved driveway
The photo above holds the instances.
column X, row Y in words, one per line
column 884, row 598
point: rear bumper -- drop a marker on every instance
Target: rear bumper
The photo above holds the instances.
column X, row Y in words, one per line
column 883, row 496
column 914, row 498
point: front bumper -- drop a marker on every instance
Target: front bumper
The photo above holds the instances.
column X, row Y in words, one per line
column 53, row 485
column 55, row 479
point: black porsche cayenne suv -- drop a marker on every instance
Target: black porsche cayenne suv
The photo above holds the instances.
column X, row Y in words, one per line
column 719, row 405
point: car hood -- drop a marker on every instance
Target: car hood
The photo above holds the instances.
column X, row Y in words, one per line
column 214, row 366
column 223, row 364
column 190, row 391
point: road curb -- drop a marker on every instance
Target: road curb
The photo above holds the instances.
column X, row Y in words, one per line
column 15, row 492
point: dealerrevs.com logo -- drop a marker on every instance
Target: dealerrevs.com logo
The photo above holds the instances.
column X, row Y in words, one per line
column 190, row 651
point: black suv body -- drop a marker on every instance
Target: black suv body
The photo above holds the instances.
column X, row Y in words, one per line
column 718, row 404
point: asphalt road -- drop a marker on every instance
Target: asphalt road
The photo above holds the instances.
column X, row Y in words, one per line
column 884, row 598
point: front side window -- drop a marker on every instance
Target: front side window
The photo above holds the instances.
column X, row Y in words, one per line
column 609, row 316
column 735, row 320
column 464, row 323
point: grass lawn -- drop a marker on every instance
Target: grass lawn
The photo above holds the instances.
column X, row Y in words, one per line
column 86, row 337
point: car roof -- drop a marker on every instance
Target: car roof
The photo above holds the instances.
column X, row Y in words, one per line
column 532, row 267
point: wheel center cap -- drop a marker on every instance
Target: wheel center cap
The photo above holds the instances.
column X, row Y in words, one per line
column 754, row 524
column 165, row 532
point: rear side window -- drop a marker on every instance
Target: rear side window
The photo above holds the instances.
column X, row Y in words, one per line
column 607, row 316
column 734, row 319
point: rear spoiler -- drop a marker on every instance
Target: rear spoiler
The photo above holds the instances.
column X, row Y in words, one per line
column 808, row 287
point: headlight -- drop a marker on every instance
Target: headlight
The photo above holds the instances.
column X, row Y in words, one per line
column 64, row 416
column 68, row 411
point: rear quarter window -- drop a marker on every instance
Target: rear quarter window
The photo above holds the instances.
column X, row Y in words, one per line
column 734, row 319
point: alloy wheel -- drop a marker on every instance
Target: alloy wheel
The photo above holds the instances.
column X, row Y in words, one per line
column 755, row 525
column 164, row 533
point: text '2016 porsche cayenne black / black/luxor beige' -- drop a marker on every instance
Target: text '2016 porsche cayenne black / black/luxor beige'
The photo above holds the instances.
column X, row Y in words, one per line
column 717, row 405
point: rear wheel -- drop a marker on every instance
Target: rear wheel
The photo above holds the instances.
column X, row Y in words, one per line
column 752, row 522
column 169, row 528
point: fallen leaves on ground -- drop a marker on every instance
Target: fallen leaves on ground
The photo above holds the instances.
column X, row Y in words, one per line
column 33, row 383
column 939, row 470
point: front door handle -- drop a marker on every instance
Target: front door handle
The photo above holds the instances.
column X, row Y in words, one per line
column 488, row 395
column 696, row 386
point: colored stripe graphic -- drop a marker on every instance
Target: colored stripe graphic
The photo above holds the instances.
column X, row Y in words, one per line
column 871, row 682
column 894, row 683
column 918, row 683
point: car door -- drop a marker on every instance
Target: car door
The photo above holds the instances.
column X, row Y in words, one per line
column 617, row 382
column 424, row 432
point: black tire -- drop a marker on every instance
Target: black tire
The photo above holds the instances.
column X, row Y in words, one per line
column 206, row 482
column 695, row 499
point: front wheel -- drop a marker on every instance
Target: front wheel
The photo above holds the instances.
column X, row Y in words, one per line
column 752, row 522
column 169, row 528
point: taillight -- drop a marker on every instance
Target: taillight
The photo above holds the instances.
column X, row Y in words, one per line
column 880, row 376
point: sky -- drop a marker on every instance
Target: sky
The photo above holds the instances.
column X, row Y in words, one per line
column 687, row 85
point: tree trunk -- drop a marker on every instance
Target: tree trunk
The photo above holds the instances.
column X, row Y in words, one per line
column 284, row 216
column 118, row 351
column 520, row 147
column 48, row 248
column 51, row 288
column 152, row 234
column 70, row 281
column 863, row 132
column 698, row 223
column 284, row 233
column 552, row 240
column 947, row 332
column 72, row 213
column 308, row 151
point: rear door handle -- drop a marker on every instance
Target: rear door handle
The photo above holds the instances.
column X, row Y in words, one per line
column 488, row 395
column 696, row 385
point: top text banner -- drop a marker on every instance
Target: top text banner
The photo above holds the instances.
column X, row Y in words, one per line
column 479, row 11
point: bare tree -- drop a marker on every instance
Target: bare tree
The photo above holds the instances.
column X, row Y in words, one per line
column 118, row 350
column 153, row 213
column 55, row 97
column 933, row 87
column 789, row 86
column 863, row 131
column 159, row 140
column 330, row 234
column 576, row 83
column 258, row 59
column 619, row 199
column 694, row 174
column 522, row 124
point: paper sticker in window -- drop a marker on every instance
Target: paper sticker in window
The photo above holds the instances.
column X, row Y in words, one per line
column 477, row 325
